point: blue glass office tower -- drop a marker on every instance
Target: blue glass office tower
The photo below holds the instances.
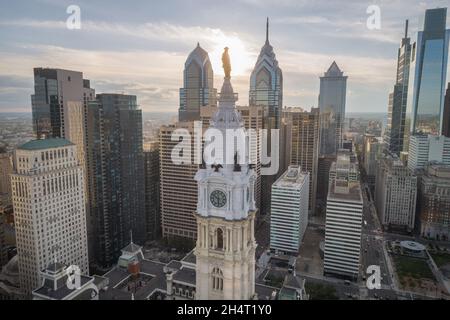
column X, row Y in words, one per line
column 428, row 73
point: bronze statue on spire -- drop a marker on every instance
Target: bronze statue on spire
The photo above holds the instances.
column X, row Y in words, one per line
column 226, row 64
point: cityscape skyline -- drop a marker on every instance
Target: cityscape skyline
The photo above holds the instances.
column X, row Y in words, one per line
column 154, row 52
column 247, row 194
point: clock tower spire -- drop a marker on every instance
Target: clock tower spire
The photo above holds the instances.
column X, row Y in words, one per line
column 225, row 249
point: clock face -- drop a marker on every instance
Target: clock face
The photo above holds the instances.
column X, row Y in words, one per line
column 218, row 198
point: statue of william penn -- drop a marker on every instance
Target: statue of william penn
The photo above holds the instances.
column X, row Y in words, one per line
column 226, row 63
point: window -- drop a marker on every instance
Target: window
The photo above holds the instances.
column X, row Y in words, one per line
column 219, row 234
column 217, row 279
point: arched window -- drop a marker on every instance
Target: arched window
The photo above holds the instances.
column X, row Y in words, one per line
column 217, row 279
column 219, row 239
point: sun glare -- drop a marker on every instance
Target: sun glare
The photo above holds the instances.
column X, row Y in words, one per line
column 241, row 60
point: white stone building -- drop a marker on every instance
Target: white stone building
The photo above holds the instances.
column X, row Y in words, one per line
column 424, row 149
column 49, row 208
column 289, row 210
column 343, row 219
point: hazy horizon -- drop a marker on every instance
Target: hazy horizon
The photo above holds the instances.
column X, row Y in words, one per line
column 141, row 48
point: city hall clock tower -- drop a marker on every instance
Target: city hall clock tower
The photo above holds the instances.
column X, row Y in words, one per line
column 225, row 249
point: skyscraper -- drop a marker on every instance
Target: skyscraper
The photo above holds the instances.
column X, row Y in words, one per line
column 446, row 125
column 49, row 208
column 198, row 85
column 303, row 145
column 372, row 151
column 59, row 109
column 424, row 149
column 178, row 189
column 395, row 194
column 116, row 173
column 266, row 83
column 343, row 218
column 266, row 89
column 332, row 97
column 434, row 202
column 289, row 210
column 151, row 173
column 429, row 59
column 395, row 128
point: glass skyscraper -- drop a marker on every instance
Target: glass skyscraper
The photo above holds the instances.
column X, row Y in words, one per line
column 429, row 63
column 116, row 167
column 198, row 85
column 395, row 129
column 266, row 83
column 266, row 90
column 332, row 97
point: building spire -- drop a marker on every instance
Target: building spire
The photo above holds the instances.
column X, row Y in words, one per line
column 267, row 30
column 406, row 28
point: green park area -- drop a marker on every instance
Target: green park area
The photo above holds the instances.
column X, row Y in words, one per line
column 441, row 259
column 317, row 291
column 412, row 268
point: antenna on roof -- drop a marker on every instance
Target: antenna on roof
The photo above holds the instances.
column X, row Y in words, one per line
column 267, row 30
column 131, row 235
column 406, row 28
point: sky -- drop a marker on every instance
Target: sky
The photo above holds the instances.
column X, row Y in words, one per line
column 140, row 46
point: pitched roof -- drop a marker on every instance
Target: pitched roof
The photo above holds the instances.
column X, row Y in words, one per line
column 334, row 70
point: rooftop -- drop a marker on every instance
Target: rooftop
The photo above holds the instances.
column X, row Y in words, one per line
column 291, row 178
column 353, row 194
column 42, row 144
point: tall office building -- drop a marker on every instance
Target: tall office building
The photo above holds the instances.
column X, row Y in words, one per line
column 289, row 210
column 116, row 173
column 395, row 194
column 59, row 109
column 446, row 125
column 343, row 218
column 323, row 177
column 429, row 59
column 49, row 208
column 151, row 173
column 424, row 149
column 434, row 202
column 198, row 85
column 395, row 127
column 253, row 117
column 266, row 83
column 266, row 89
column 332, row 97
column 58, row 106
column 178, row 189
column 372, row 151
column 302, row 143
